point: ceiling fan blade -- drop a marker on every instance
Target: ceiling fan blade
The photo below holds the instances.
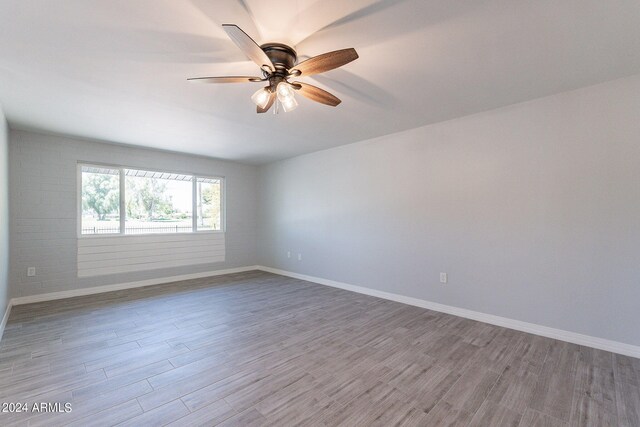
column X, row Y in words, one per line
column 316, row 94
column 272, row 99
column 326, row 61
column 248, row 45
column 225, row 79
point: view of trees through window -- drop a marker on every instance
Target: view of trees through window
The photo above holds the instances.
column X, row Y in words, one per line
column 100, row 201
column 154, row 202
column 208, row 198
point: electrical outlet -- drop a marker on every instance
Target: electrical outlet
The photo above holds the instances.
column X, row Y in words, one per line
column 288, row 254
column 31, row 271
column 299, row 257
column 443, row 278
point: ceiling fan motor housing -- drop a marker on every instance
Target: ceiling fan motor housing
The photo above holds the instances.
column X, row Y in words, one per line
column 282, row 56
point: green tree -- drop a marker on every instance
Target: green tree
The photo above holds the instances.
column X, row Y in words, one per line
column 148, row 197
column 209, row 202
column 100, row 194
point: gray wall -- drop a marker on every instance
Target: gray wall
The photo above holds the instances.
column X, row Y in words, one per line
column 43, row 209
column 4, row 214
column 533, row 210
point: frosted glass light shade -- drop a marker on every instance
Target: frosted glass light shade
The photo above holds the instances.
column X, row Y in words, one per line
column 261, row 97
column 289, row 104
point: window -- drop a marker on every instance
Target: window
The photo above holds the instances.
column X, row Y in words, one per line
column 208, row 203
column 100, row 200
column 116, row 200
column 157, row 202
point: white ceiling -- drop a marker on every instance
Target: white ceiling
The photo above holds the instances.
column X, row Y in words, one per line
column 116, row 70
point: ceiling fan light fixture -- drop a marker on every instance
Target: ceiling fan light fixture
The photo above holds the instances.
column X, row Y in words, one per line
column 284, row 91
column 261, row 97
column 286, row 96
column 289, row 104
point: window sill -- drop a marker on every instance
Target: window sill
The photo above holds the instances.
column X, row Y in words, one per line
column 187, row 233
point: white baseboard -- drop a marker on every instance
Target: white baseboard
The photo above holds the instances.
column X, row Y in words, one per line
column 120, row 286
column 532, row 328
column 5, row 318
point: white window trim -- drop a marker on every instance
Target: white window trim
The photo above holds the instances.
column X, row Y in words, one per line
column 121, row 169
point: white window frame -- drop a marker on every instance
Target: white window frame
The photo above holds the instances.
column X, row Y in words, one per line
column 123, row 215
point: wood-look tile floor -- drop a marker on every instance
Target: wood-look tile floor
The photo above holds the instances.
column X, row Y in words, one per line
column 260, row 349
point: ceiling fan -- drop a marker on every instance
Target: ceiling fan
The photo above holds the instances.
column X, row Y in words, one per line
column 278, row 64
